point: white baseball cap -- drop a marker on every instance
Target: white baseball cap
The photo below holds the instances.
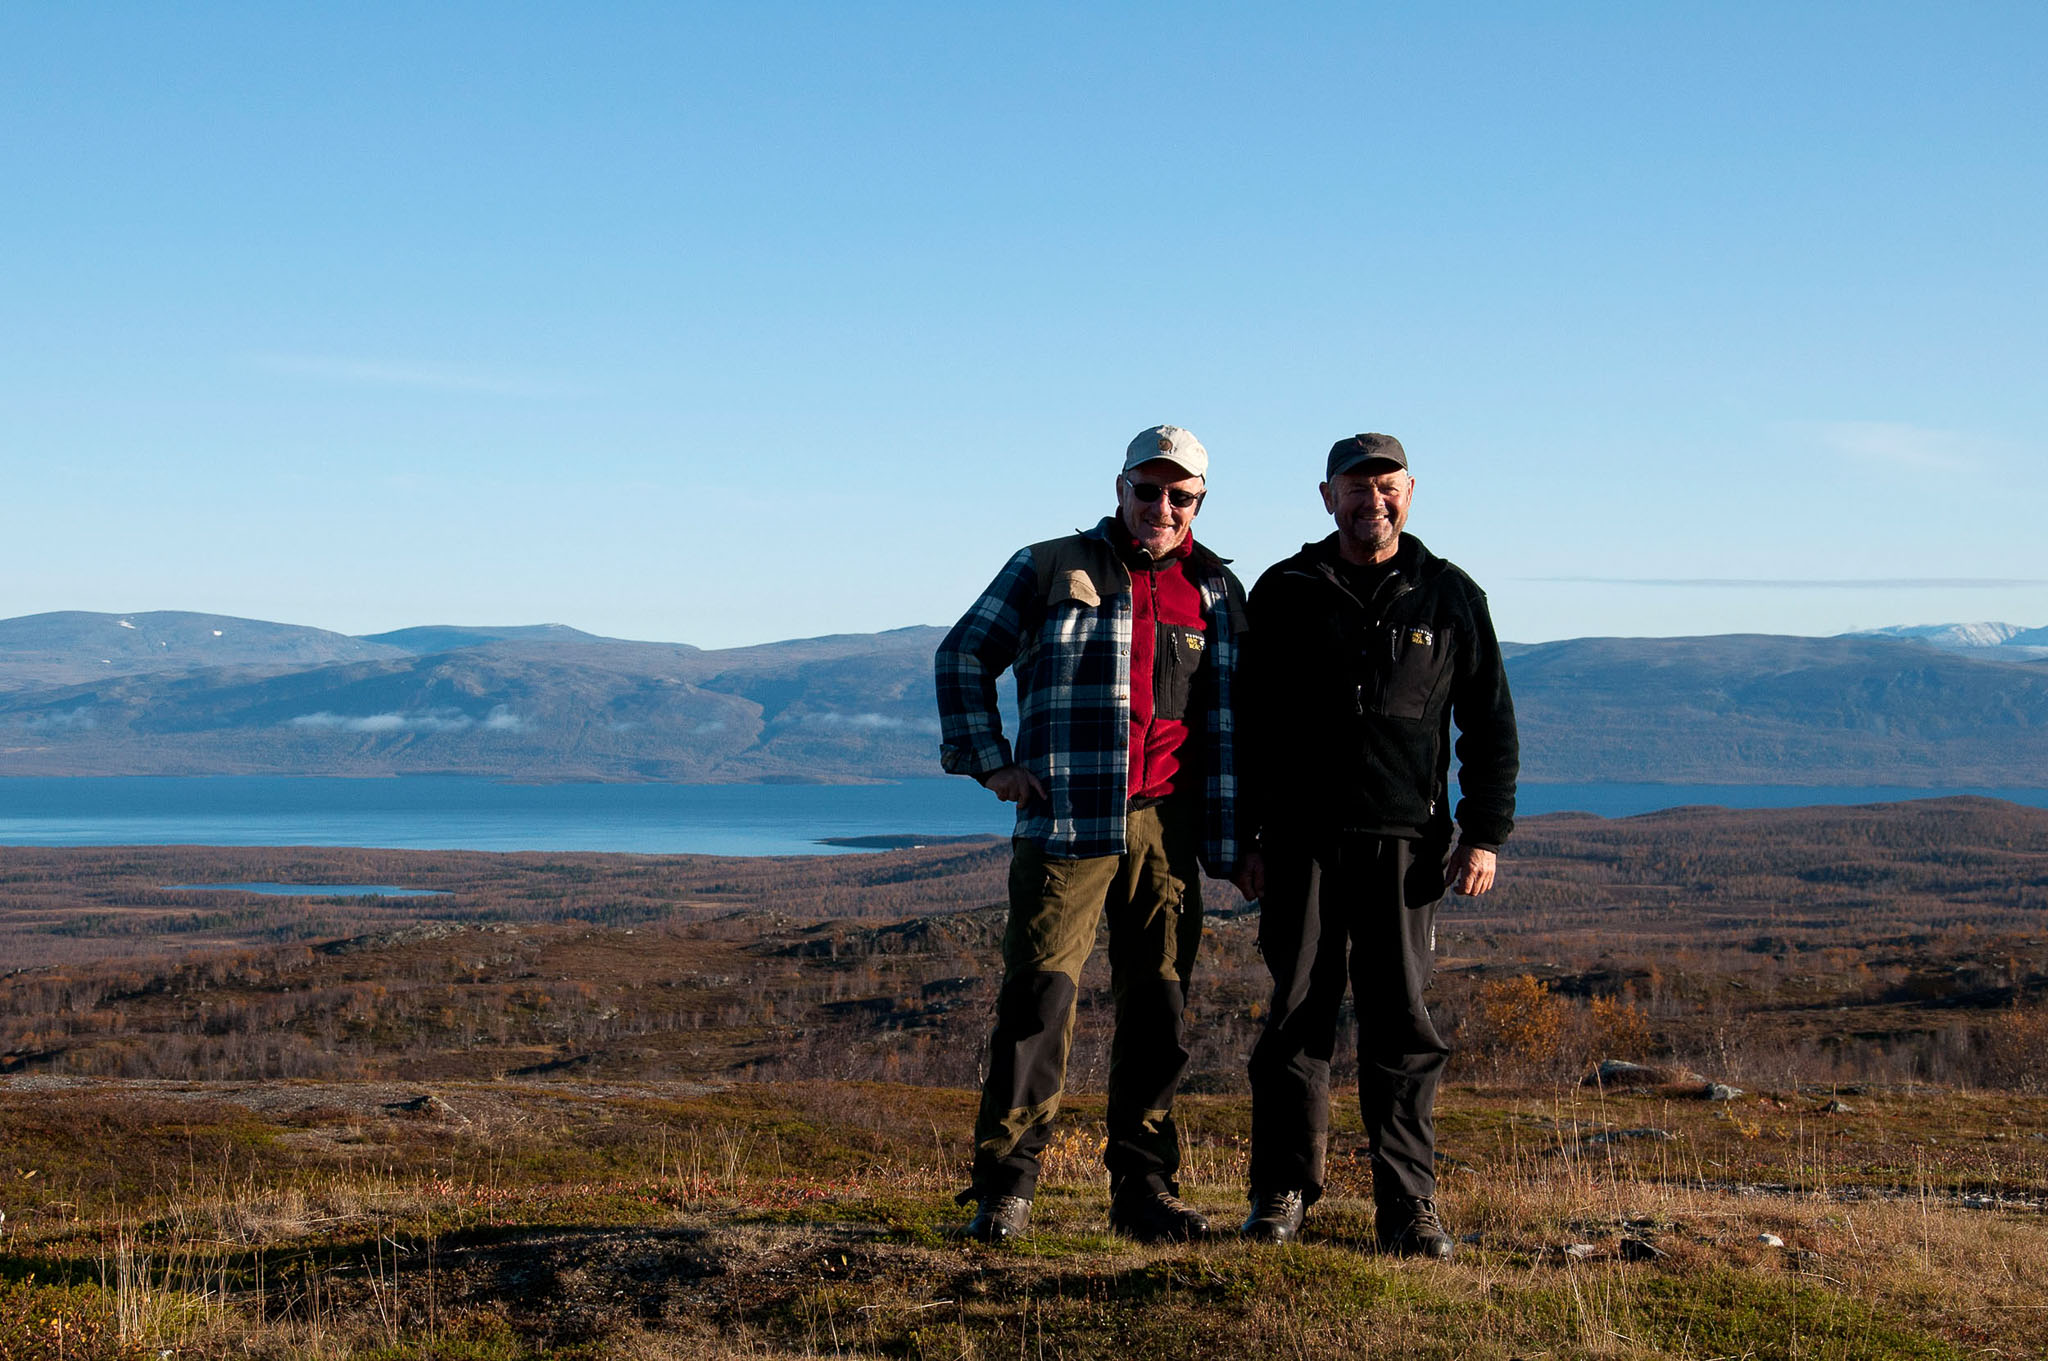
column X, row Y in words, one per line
column 1171, row 443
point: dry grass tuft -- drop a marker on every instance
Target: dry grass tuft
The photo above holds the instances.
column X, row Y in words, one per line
column 817, row 1221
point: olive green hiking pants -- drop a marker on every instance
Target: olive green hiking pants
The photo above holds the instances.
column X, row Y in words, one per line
column 1151, row 896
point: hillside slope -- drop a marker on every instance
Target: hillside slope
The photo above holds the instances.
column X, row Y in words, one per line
column 856, row 707
column 1760, row 709
column 72, row 647
column 195, row 694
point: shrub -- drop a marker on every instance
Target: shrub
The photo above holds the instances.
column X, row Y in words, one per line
column 1522, row 1028
column 2014, row 1049
column 1621, row 1029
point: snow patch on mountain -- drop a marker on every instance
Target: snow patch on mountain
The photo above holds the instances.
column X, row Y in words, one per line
column 2008, row 638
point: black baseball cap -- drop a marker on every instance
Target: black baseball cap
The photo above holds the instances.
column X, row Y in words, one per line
column 1355, row 453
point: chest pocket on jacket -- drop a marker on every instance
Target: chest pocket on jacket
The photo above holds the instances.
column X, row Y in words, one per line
column 1178, row 656
column 1069, row 616
column 1418, row 661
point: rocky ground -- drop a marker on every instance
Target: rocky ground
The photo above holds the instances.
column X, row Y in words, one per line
column 512, row 1219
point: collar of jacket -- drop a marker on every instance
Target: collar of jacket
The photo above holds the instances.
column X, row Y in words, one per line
column 1411, row 564
column 1105, row 530
column 1409, row 559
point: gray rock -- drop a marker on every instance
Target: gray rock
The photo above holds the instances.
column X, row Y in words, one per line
column 1620, row 1073
column 1770, row 1240
column 426, row 1104
column 1614, row 1136
column 1640, row 1250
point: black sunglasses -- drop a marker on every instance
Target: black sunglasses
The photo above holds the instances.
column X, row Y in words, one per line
column 1148, row 492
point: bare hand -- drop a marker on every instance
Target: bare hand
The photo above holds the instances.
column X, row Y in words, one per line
column 1013, row 784
column 1251, row 877
column 1470, row 871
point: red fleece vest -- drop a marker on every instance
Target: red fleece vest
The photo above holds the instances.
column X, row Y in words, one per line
column 1162, row 596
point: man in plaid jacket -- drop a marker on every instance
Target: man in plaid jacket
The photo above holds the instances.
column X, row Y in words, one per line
column 1125, row 642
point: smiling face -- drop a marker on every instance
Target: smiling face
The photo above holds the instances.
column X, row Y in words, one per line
column 1158, row 526
column 1371, row 510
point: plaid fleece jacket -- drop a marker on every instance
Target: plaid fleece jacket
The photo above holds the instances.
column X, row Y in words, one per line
column 1060, row 613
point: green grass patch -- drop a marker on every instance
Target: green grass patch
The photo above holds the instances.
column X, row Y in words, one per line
column 1719, row 1312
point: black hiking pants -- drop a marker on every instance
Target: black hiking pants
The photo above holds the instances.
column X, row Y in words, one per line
column 1373, row 899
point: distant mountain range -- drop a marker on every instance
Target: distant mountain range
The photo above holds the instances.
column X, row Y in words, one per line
column 1762, row 709
column 2010, row 639
column 176, row 693
column 173, row 693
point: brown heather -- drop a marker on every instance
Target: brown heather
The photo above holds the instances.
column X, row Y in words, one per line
column 681, row 1106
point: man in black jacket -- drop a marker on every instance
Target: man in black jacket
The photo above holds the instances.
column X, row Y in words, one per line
column 1367, row 647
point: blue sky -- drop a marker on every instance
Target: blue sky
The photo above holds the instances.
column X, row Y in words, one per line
column 723, row 324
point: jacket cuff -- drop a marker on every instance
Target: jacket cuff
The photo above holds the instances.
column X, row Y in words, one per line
column 976, row 759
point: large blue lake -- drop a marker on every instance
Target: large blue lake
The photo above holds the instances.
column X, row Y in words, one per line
column 445, row 813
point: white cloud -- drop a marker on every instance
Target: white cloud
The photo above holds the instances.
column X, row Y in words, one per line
column 869, row 722
column 1893, row 445
column 500, row 719
column 67, row 721
column 1813, row 583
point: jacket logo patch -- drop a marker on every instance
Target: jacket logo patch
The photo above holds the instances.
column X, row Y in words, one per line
column 1196, row 642
column 1421, row 637
column 1076, row 586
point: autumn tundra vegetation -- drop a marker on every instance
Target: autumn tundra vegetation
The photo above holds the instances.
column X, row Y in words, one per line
column 1727, row 1084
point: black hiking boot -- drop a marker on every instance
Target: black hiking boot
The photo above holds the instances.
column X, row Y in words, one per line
column 1154, row 1215
column 998, row 1219
column 1410, row 1228
column 1276, row 1217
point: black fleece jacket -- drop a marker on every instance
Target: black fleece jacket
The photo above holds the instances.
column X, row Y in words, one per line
column 1351, row 680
